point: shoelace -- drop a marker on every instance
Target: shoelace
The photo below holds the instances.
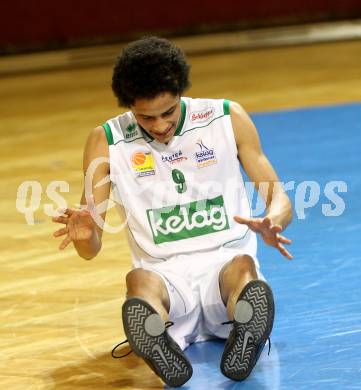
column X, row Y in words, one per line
column 269, row 339
column 167, row 325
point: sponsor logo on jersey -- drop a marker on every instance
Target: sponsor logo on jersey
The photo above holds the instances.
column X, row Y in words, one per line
column 188, row 220
column 205, row 156
column 202, row 116
column 143, row 163
column 131, row 131
column 174, row 158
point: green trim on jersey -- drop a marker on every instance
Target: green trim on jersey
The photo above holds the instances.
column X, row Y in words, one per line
column 178, row 131
column 226, row 107
column 182, row 118
column 148, row 138
column 108, row 133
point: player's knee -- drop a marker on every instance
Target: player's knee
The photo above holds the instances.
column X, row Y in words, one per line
column 242, row 264
column 140, row 279
column 136, row 277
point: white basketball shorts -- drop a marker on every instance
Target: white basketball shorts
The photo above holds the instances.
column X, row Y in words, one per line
column 196, row 306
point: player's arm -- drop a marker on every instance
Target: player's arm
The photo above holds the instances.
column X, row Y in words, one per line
column 260, row 171
column 84, row 226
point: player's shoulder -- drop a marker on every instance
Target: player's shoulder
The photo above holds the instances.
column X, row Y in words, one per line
column 122, row 129
column 97, row 144
column 240, row 118
column 97, row 132
column 236, row 109
column 223, row 103
column 244, row 130
column 205, row 110
column 98, row 135
column 202, row 101
column 216, row 105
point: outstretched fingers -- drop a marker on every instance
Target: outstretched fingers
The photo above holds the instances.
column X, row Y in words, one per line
column 61, row 232
column 68, row 211
column 267, row 223
column 270, row 233
column 60, row 219
column 252, row 223
column 276, row 228
column 284, row 251
column 241, row 220
column 65, row 243
column 284, row 240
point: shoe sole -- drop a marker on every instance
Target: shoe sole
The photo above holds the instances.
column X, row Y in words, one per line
column 145, row 331
column 253, row 319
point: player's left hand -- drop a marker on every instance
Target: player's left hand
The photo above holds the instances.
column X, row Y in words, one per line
column 269, row 232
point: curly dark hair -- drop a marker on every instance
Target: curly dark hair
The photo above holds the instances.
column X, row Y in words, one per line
column 148, row 67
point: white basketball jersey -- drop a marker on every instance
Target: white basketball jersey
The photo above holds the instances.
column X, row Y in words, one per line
column 180, row 197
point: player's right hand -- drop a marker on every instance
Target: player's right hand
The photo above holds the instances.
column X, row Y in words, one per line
column 79, row 224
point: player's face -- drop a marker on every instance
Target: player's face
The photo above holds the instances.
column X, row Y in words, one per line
column 158, row 116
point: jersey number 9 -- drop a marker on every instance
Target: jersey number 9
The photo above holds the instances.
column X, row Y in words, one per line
column 180, row 180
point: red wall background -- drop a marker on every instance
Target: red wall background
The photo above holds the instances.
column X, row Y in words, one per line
column 42, row 24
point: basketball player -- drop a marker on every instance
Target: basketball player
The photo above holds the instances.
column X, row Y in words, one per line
column 174, row 167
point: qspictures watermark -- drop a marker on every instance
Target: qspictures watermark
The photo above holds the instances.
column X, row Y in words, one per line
column 30, row 194
column 306, row 195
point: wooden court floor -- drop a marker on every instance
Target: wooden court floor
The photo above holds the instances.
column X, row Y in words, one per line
column 60, row 315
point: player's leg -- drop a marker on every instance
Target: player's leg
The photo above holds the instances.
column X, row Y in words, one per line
column 145, row 314
column 151, row 287
column 233, row 278
column 250, row 307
